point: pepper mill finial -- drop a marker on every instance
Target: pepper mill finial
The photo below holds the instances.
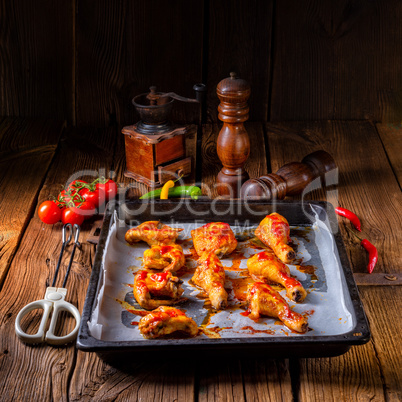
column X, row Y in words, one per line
column 233, row 144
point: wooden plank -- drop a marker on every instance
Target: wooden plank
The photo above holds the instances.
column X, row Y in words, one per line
column 142, row 381
column 125, row 47
column 267, row 380
column 383, row 306
column 26, row 151
column 240, row 41
column 211, row 165
column 391, row 137
column 337, row 61
column 37, row 59
column 368, row 371
column 220, row 382
column 32, row 270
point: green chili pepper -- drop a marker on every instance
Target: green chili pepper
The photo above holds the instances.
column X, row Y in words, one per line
column 179, row 191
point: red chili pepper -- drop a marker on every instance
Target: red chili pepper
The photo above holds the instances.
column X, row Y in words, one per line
column 349, row 215
column 373, row 254
column 372, row 251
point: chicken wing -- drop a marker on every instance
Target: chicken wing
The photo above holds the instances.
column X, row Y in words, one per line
column 210, row 275
column 148, row 287
column 265, row 266
column 153, row 233
column 274, row 231
column 263, row 300
column 165, row 321
column 167, row 258
column 217, row 237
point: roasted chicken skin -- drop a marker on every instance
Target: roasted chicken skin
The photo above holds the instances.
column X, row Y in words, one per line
column 210, row 276
column 165, row 321
column 148, row 287
column 265, row 266
column 214, row 237
column 153, row 233
column 168, row 258
column 263, row 300
column 274, row 231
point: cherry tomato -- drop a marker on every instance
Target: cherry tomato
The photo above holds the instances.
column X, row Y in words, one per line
column 74, row 185
column 65, row 197
column 110, row 189
column 72, row 215
column 97, row 197
column 87, row 209
column 49, row 212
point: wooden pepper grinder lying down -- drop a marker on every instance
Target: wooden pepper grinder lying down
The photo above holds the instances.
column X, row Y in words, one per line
column 291, row 179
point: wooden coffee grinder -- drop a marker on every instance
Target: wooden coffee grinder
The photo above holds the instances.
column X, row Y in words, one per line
column 155, row 147
column 233, row 144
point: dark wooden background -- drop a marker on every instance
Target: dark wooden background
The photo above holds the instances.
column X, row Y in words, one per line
column 83, row 61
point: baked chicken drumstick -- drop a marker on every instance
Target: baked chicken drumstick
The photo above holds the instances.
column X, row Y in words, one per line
column 165, row 321
column 274, row 231
column 215, row 237
column 210, row 275
column 149, row 285
column 168, row 258
column 265, row 266
column 153, row 233
column 263, row 300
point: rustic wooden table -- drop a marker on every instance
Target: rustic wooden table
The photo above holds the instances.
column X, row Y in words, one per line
column 36, row 159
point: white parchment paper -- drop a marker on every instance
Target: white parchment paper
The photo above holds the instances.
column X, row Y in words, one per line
column 326, row 303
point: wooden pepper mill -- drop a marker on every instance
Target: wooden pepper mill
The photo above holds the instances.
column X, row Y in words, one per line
column 291, row 179
column 233, row 144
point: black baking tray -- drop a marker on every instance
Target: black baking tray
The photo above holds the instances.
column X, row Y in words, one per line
column 232, row 212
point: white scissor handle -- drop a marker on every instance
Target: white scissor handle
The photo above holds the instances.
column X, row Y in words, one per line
column 59, row 306
column 39, row 337
column 54, row 300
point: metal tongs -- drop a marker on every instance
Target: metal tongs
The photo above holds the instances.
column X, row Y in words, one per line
column 54, row 301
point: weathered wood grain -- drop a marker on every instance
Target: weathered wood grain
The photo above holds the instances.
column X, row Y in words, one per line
column 267, row 380
column 337, row 60
column 145, row 381
column 211, row 165
column 355, row 376
column 83, row 153
column 26, row 151
column 367, row 186
column 369, row 372
column 391, row 137
column 125, row 47
column 221, row 382
column 239, row 40
column 37, row 59
column 383, row 307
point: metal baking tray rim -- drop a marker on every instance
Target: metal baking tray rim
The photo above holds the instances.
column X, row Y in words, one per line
column 359, row 335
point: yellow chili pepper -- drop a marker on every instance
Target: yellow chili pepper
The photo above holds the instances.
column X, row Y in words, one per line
column 165, row 189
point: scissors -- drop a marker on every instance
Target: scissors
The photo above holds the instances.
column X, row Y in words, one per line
column 54, row 301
